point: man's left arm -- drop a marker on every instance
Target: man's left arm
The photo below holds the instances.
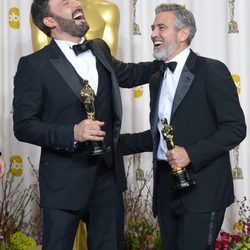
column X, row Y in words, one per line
column 136, row 142
column 130, row 75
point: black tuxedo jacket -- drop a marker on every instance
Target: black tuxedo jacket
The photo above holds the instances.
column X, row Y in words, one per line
column 47, row 105
column 207, row 121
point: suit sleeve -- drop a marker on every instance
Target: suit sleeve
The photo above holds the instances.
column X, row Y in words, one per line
column 136, row 143
column 129, row 74
column 229, row 118
column 28, row 105
column 134, row 74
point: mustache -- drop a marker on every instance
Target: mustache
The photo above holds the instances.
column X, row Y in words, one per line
column 156, row 39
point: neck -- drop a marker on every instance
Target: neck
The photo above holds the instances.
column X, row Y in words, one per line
column 175, row 53
column 66, row 37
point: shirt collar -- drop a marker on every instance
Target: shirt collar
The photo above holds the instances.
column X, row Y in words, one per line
column 181, row 59
column 65, row 43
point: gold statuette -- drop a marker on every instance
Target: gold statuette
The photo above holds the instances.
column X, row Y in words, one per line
column 136, row 27
column 237, row 171
column 232, row 25
column 88, row 100
column 179, row 177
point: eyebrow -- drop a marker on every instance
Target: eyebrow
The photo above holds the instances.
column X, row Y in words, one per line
column 62, row 1
column 158, row 25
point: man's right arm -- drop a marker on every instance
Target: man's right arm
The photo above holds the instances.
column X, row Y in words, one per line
column 29, row 104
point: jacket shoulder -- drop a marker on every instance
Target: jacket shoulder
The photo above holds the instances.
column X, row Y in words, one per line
column 101, row 44
column 209, row 62
column 37, row 55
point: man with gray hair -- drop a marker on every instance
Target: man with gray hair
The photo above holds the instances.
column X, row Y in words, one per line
column 198, row 98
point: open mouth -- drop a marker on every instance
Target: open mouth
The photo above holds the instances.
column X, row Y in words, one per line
column 157, row 44
column 78, row 15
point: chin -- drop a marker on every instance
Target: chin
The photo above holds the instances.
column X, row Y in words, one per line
column 159, row 55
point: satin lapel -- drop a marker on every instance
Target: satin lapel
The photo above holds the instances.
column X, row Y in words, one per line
column 66, row 70
column 115, row 89
column 182, row 88
column 99, row 54
column 116, row 95
column 185, row 81
column 155, row 91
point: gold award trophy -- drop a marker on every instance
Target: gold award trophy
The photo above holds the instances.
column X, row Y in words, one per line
column 179, row 177
column 88, row 99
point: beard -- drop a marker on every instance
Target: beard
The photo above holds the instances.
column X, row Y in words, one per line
column 165, row 52
column 70, row 27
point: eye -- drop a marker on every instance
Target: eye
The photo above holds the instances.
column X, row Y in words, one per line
column 64, row 3
column 162, row 27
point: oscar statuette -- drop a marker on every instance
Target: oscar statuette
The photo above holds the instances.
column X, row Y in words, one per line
column 88, row 100
column 179, row 177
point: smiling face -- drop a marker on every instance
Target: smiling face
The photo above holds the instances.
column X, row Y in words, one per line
column 67, row 21
column 167, row 40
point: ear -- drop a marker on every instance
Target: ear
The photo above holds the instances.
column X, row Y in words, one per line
column 49, row 22
column 183, row 34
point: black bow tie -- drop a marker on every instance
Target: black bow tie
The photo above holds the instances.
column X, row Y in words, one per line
column 80, row 48
column 170, row 65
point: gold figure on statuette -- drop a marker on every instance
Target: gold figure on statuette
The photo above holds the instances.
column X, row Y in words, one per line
column 179, row 177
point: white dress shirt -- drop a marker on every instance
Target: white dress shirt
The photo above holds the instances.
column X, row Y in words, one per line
column 168, row 89
column 84, row 63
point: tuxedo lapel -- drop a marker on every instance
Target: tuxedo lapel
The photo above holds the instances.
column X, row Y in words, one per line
column 185, row 82
column 115, row 90
column 155, row 89
column 65, row 69
column 67, row 72
column 116, row 96
column 100, row 56
column 182, row 88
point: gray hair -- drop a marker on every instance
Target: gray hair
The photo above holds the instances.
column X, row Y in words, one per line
column 184, row 18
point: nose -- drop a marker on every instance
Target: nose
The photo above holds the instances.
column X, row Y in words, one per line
column 154, row 32
column 153, row 35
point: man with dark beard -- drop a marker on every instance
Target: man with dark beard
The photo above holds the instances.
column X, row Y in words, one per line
column 49, row 112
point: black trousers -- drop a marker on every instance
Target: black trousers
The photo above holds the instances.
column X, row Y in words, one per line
column 182, row 229
column 104, row 217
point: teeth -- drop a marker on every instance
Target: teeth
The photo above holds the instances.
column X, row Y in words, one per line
column 78, row 15
column 157, row 43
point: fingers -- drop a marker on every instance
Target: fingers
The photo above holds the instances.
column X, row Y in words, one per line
column 178, row 158
column 89, row 130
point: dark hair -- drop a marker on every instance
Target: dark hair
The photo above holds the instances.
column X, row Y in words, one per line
column 40, row 10
column 184, row 18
